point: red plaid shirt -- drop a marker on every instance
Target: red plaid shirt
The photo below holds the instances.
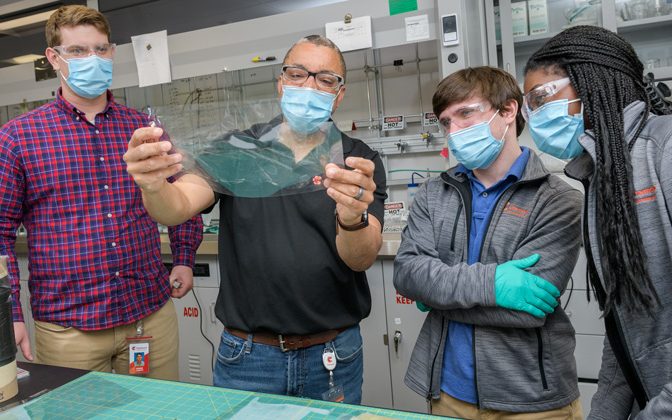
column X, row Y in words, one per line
column 94, row 252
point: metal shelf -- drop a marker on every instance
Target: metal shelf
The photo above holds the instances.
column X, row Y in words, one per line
column 646, row 24
column 661, row 73
column 536, row 40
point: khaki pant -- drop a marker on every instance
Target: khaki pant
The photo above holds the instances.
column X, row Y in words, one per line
column 105, row 350
column 452, row 407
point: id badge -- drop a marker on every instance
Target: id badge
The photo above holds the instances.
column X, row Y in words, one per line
column 334, row 394
column 138, row 355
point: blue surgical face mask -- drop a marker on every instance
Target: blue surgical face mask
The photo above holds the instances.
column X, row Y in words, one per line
column 475, row 147
column 89, row 77
column 306, row 109
column 556, row 132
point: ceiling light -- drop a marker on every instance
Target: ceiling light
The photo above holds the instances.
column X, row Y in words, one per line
column 23, row 59
column 25, row 21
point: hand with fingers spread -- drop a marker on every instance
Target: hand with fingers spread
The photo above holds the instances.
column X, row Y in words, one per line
column 517, row 289
column 147, row 159
column 352, row 190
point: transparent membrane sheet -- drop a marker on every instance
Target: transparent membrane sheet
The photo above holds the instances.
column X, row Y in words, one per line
column 246, row 149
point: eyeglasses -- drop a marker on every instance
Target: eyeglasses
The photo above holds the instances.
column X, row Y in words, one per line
column 464, row 117
column 297, row 76
column 81, row 51
column 538, row 96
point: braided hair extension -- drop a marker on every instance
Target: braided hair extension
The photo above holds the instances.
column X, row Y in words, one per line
column 608, row 76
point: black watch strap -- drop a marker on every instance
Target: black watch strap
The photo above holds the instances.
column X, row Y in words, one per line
column 364, row 222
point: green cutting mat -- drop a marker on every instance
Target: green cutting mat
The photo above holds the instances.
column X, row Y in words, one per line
column 107, row 396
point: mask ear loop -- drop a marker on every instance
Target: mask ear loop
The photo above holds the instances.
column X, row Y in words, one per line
column 505, row 130
column 61, row 71
column 576, row 100
column 335, row 96
column 493, row 117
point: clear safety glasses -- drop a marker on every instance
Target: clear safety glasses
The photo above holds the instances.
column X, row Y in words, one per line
column 81, row 51
column 538, row 97
column 464, row 117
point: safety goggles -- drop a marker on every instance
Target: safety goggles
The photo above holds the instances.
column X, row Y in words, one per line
column 539, row 96
column 81, row 51
column 464, row 117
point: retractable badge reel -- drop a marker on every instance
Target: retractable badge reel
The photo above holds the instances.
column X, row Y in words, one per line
column 138, row 351
column 335, row 392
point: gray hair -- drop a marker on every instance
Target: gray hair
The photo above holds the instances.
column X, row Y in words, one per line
column 320, row 41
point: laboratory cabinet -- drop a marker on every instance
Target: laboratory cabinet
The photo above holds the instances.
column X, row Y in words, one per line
column 377, row 386
column 389, row 335
column 586, row 318
column 199, row 328
column 404, row 321
column 517, row 28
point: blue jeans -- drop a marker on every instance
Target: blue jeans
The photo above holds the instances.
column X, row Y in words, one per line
column 242, row 364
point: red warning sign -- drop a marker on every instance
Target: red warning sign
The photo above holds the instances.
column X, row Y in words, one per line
column 191, row 312
column 402, row 300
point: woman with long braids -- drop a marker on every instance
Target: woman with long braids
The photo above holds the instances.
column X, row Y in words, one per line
column 586, row 100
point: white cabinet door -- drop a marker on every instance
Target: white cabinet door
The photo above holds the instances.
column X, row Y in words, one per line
column 377, row 388
column 585, row 316
column 588, row 355
column 199, row 329
column 404, row 321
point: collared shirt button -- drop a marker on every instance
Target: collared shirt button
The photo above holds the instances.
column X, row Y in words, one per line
column 109, row 214
column 77, row 118
column 102, row 159
column 97, row 132
column 107, row 187
column 116, row 274
column 114, row 244
column 485, row 194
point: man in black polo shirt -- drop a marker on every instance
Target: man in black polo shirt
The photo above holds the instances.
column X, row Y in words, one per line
column 293, row 287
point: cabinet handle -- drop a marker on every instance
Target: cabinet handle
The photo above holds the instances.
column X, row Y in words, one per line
column 213, row 317
column 397, row 339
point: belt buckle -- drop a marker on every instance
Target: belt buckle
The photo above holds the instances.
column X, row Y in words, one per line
column 281, row 340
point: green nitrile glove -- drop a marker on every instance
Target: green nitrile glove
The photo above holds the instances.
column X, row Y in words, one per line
column 517, row 289
column 422, row 306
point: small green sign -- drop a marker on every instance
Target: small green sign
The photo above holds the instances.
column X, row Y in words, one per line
column 402, row 6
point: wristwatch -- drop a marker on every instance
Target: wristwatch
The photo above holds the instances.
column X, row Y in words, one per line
column 364, row 222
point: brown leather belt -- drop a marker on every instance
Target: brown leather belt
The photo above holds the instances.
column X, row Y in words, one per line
column 288, row 342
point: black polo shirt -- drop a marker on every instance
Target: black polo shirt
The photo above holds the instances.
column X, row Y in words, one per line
column 279, row 267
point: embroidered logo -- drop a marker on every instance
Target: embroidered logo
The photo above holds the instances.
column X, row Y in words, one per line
column 645, row 195
column 514, row 210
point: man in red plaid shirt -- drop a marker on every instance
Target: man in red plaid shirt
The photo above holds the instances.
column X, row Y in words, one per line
column 96, row 275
